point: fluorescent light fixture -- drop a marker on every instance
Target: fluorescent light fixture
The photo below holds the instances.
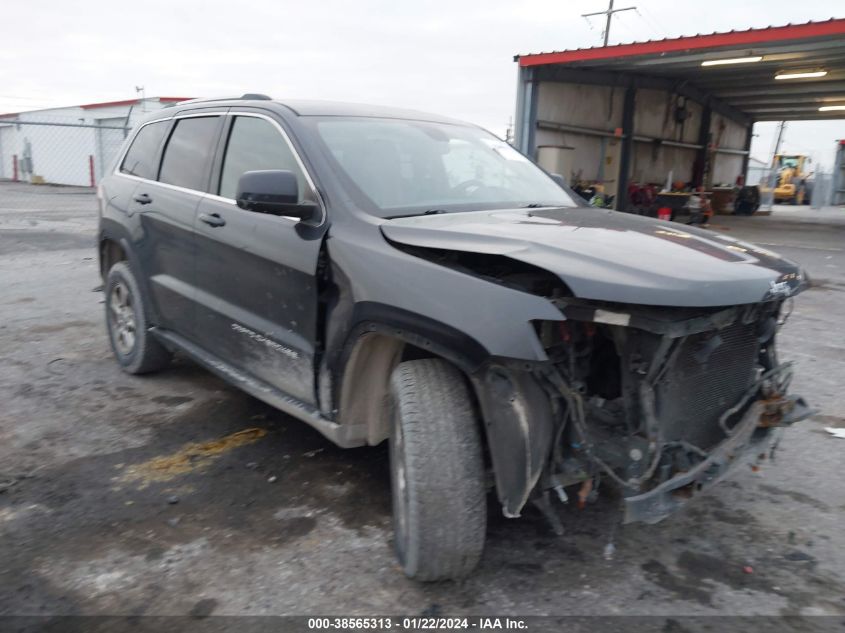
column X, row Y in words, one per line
column 804, row 74
column 831, row 108
column 733, row 60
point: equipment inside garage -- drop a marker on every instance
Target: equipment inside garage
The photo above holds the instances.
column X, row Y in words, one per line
column 664, row 127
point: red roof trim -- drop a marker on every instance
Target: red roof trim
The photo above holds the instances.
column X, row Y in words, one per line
column 733, row 38
column 107, row 104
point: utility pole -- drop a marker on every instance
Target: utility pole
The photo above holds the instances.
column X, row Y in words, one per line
column 774, row 173
column 609, row 13
column 140, row 90
column 778, row 140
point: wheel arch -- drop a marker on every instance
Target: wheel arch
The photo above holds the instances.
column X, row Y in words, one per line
column 373, row 351
column 110, row 251
column 114, row 245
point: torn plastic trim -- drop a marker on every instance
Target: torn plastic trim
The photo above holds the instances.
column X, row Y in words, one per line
column 665, row 499
column 784, row 369
column 753, row 429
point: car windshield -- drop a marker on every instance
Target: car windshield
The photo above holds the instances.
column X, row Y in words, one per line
column 400, row 167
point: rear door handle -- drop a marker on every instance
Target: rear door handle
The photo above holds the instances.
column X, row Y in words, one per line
column 212, row 219
column 142, row 198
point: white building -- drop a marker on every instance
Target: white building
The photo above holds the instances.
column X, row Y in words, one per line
column 72, row 145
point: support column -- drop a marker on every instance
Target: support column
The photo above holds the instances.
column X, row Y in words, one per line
column 531, row 148
column 702, row 159
column 525, row 130
column 627, row 149
column 749, row 135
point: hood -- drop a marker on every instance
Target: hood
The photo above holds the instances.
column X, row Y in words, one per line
column 611, row 256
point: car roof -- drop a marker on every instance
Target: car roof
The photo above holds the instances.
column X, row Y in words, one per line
column 303, row 107
column 337, row 108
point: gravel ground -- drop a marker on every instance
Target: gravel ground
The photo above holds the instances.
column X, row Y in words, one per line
column 177, row 494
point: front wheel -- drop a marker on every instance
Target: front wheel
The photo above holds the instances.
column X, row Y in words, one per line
column 437, row 472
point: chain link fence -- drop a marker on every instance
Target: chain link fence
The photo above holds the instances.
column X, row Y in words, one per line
column 50, row 150
column 768, row 182
column 820, row 194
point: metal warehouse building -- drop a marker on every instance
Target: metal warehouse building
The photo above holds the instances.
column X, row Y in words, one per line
column 685, row 107
column 72, row 145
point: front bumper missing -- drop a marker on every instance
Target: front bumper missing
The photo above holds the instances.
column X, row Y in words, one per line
column 750, row 433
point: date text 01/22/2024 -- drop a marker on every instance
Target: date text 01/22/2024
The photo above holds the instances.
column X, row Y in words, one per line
column 416, row 624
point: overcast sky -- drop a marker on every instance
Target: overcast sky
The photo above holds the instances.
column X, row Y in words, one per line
column 452, row 57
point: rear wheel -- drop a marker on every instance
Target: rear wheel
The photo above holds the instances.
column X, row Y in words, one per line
column 135, row 348
column 437, row 472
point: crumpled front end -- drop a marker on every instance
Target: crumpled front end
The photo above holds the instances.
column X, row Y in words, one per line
column 662, row 402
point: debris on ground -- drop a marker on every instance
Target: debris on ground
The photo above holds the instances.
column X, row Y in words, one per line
column 840, row 433
column 312, row 453
column 271, row 479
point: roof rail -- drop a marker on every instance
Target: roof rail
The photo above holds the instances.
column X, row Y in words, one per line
column 249, row 96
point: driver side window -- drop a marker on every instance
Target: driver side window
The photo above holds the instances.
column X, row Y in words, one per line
column 255, row 144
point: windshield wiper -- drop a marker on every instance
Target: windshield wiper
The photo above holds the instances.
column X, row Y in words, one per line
column 536, row 205
column 413, row 215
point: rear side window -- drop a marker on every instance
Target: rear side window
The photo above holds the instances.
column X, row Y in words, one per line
column 140, row 160
column 186, row 156
column 256, row 144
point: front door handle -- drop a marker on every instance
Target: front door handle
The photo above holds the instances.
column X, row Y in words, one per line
column 212, row 219
column 142, row 198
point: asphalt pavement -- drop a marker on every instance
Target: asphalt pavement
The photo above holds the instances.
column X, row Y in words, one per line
column 177, row 494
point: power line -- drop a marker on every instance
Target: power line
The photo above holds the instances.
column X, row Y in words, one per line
column 657, row 22
column 634, row 30
column 609, row 13
column 651, row 25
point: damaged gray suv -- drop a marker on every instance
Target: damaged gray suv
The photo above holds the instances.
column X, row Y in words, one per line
column 386, row 275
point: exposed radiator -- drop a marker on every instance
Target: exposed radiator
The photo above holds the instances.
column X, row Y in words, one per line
column 710, row 374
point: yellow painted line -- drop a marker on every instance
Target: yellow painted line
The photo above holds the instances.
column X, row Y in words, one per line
column 192, row 457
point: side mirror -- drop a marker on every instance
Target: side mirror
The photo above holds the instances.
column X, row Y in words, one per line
column 272, row 191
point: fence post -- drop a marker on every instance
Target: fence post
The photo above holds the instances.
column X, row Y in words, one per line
column 15, row 167
column 91, row 169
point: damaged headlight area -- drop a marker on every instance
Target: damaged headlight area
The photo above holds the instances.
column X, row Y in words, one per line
column 661, row 401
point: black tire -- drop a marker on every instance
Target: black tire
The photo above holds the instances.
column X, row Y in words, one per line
column 436, row 471
column 125, row 311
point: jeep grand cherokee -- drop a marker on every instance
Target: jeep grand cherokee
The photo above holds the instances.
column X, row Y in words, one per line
column 386, row 275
